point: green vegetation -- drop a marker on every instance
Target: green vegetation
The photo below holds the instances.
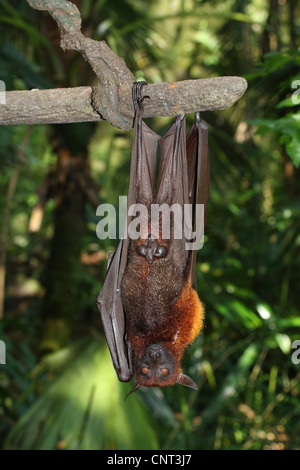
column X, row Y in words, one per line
column 58, row 388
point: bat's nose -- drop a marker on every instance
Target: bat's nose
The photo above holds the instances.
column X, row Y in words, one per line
column 154, row 354
column 154, row 351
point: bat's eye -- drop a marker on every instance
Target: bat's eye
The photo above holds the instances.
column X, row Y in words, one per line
column 145, row 370
column 164, row 371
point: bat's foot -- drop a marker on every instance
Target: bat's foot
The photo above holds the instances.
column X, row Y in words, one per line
column 137, row 96
column 151, row 250
column 197, row 117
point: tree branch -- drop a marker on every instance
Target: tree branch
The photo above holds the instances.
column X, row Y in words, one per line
column 166, row 99
column 60, row 105
column 111, row 98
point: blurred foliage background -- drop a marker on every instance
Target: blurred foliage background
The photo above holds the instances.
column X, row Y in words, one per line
column 58, row 389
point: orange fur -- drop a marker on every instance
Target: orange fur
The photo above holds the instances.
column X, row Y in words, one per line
column 192, row 312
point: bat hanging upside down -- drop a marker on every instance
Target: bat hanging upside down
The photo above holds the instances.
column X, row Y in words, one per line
column 149, row 308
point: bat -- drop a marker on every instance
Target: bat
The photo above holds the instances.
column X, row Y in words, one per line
column 148, row 304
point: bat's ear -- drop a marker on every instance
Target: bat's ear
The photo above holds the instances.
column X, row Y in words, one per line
column 186, row 381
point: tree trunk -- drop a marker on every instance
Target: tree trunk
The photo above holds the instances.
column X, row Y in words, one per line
column 60, row 303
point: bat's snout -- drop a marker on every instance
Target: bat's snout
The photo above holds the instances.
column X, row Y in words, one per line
column 154, row 351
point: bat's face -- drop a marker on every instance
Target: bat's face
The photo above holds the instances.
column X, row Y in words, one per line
column 156, row 367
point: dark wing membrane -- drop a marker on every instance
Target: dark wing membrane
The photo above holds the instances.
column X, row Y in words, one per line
column 143, row 163
column 112, row 315
column 198, row 177
column 172, row 176
column 141, row 187
column 172, row 188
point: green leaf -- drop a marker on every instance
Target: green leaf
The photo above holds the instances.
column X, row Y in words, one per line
column 233, row 381
column 239, row 314
column 293, row 149
column 284, row 342
column 83, row 407
column 287, row 103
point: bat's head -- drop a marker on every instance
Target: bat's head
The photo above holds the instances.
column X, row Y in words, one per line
column 157, row 367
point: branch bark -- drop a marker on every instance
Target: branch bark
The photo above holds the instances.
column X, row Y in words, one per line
column 75, row 104
column 60, row 105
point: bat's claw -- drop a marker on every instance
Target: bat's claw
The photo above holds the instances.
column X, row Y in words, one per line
column 141, row 99
column 137, row 94
column 179, row 120
column 197, row 117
